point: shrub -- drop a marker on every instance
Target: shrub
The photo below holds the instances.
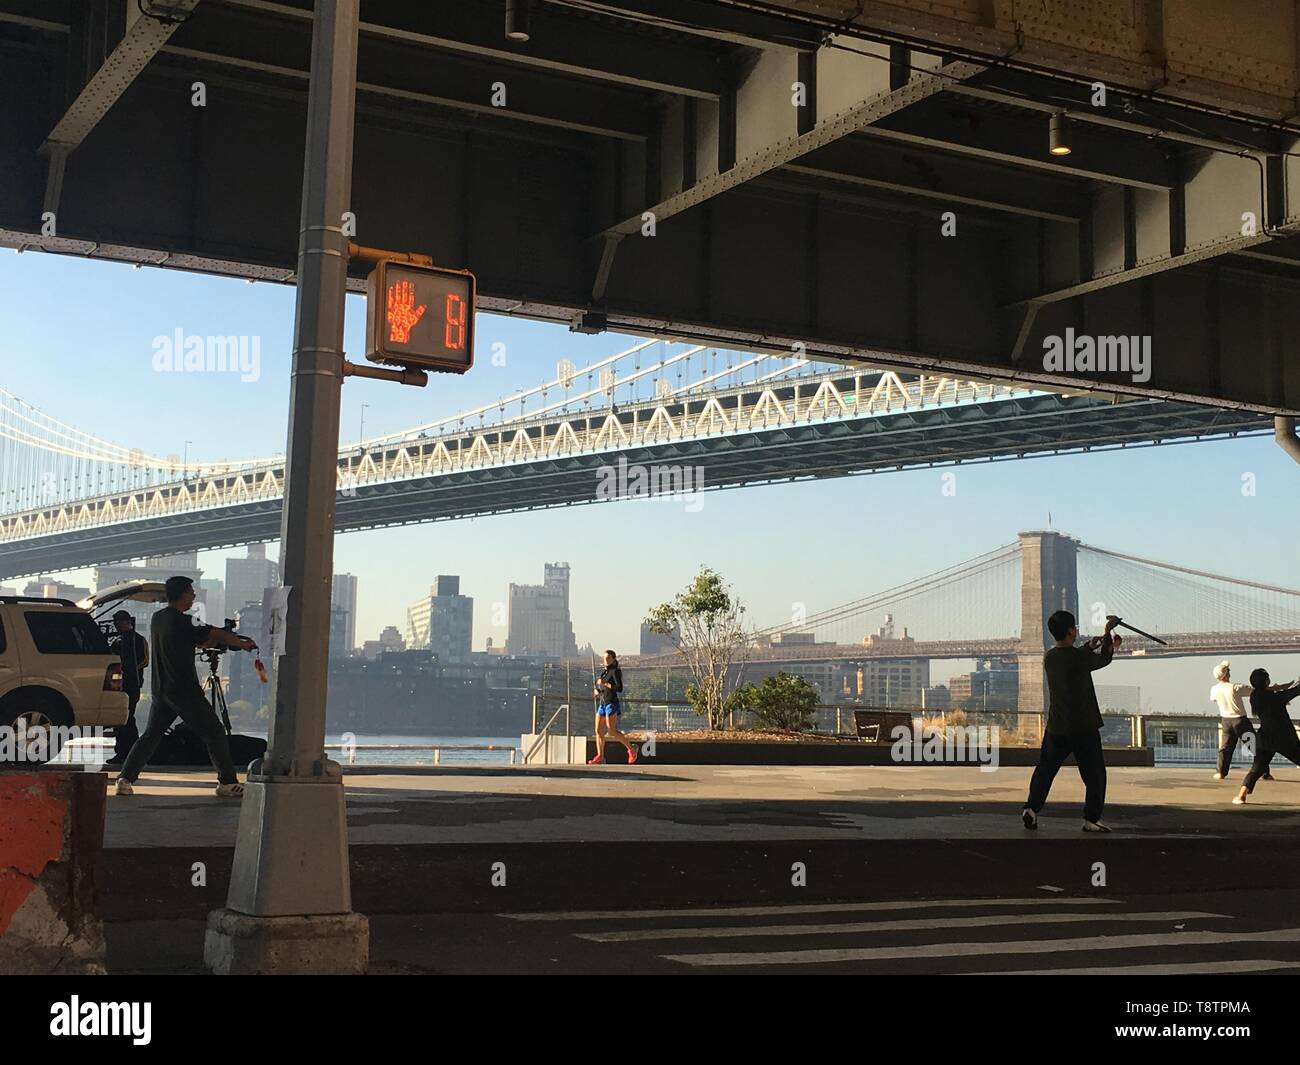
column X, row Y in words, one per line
column 782, row 702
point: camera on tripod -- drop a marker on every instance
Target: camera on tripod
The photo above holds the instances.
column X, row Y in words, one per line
column 212, row 654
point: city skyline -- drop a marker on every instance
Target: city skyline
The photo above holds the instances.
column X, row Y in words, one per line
column 815, row 542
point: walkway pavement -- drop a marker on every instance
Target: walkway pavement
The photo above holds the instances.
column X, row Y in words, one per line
column 715, row 803
column 748, row 869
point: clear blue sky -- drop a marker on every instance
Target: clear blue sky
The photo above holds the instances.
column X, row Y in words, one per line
column 77, row 341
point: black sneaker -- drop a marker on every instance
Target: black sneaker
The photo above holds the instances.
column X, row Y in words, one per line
column 1028, row 818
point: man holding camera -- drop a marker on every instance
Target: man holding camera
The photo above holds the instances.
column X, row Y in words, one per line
column 133, row 650
column 177, row 692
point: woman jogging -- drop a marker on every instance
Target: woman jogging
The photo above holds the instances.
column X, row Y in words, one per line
column 607, row 689
column 1276, row 729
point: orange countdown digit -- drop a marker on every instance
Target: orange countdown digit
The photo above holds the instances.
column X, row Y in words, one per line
column 454, row 333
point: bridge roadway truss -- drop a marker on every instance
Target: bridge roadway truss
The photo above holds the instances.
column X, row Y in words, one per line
column 824, row 424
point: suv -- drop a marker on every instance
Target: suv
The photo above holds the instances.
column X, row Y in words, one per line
column 56, row 667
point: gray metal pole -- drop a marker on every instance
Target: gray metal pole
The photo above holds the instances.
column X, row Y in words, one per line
column 291, row 861
column 307, row 528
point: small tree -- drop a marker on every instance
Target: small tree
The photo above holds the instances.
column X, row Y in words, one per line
column 783, row 702
column 704, row 624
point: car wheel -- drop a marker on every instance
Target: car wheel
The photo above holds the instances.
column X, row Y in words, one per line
column 29, row 721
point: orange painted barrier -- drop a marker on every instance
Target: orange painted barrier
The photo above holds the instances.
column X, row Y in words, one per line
column 51, row 835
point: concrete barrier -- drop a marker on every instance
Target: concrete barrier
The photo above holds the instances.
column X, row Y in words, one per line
column 556, row 750
column 51, row 836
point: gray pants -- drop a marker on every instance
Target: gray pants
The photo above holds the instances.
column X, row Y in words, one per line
column 206, row 725
column 1233, row 729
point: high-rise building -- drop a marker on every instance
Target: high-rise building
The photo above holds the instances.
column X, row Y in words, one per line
column 389, row 640
column 343, row 596
column 338, row 633
column 247, row 579
column 244, row 682
column 214, row 600
column 442, row 622
column 936, row 698
column 892, row 681
column 50, row 588
column 539, row 622
column 993, row 685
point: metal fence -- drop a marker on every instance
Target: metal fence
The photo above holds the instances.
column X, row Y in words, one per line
column 1176, row 739
column 1186, row 739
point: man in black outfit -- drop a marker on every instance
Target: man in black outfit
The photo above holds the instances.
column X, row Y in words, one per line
column 1276, row 729
column 133, row 650
column 1073, row 718
column 177, row 692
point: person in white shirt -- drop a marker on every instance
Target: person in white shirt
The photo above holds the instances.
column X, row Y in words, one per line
column 1234, row 722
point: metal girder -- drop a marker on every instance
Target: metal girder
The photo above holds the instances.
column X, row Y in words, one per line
column 969, row 129
column 1138, row 113
column 767, row 123
column 958, row 182
column 704, row 18
column 145, row 31
column 558, row 43
column 1224, row 204
column 399, row 70
column 1239, row 57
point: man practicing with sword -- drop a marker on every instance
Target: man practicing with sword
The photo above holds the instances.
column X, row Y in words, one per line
column 1073, row 718
column 1276, row 729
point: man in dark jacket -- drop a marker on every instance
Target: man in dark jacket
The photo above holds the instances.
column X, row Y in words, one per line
column 1073, row 718
column 1276, row 729
column 133, row 650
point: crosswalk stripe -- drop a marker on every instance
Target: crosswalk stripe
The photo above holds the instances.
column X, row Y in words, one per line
column 951, row 950
column 860, row 927
column 824, row 907
column 1234, row 965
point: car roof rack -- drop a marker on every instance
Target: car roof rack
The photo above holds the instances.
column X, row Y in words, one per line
column 35, row 599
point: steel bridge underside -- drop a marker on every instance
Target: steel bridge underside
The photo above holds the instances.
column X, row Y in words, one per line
column 1012, row 427
column 773, row 224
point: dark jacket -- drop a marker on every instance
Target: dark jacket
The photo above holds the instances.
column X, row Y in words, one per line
column 613, row 676
column 1072, row 701
column 1270, row 708
column 130, row 647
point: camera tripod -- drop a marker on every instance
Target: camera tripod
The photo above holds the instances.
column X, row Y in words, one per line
column 216, row 694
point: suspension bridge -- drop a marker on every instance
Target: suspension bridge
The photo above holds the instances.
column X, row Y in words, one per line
column 995, row 605
column 681, row 418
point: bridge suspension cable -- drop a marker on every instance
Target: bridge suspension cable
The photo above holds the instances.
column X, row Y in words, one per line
column 1162, row 597
column 980, row 596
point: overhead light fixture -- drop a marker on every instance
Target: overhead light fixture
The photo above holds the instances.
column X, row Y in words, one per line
column 517, row 20
column 1059, row 135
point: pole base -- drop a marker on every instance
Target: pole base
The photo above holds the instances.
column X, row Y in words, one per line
column 330, row 944
column 291, row 854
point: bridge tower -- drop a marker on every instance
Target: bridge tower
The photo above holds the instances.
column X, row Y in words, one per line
column 1049, row 581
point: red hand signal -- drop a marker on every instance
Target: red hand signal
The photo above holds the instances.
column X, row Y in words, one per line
column 402, row 312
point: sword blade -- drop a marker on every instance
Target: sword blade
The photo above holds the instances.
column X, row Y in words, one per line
column 1131, row 628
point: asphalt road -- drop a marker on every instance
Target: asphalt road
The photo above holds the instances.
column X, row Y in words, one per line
column 1045, row 932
